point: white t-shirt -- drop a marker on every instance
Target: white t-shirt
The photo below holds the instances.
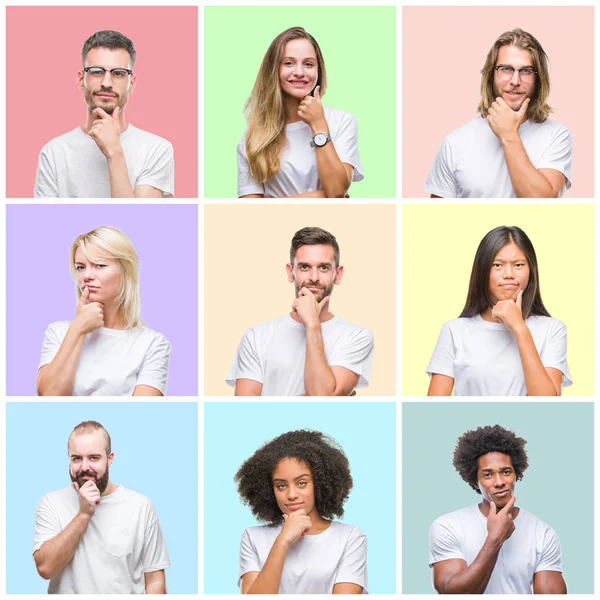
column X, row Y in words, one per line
column 532, row 547
column 274, row 353
column 299, row 173
column 484, row 360
column 470, row 162
column 72, row 165
column 113, row 361
column 123, row 541
column 314, row 563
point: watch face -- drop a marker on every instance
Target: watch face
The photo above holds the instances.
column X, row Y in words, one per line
column 320, row 139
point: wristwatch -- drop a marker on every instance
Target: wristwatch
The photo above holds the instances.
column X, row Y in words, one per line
column 320, row 139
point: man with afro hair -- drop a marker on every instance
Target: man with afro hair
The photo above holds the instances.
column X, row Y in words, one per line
column 494, row 547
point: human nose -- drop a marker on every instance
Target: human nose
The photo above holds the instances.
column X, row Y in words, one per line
column 509, row 272
column 498, row 480
column 515, row 77
column 292, row 492
column 107, row 79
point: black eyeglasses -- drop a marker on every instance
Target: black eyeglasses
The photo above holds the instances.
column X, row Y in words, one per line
column 115, row 74
column 506, row 72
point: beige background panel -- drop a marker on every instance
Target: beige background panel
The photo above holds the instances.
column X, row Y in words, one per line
column 245, row 282
column 438, row 248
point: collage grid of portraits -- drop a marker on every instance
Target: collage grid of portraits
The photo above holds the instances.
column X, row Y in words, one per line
column 400, row 408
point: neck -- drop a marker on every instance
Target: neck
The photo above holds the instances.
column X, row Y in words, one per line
column 110, row 489
column 113, row 318
column 486, row 315
column 484, row 507
column 318, row 523
column 91, row 118
column 291, row 110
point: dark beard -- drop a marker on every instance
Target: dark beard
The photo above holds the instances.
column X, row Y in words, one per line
column 325, row 291
column 101, row 483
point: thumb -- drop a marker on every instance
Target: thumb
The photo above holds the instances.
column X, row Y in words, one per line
column 324, row 302
column 519, row 300
column 85, row 295
column 285, row 517
column 76, row 486
column 116, row 112
column 493, row 507
column 318, row 92
column 524, row 106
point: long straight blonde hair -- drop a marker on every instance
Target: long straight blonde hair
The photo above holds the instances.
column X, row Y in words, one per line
column 265, row 108
column 538, row 109
column 113, row 243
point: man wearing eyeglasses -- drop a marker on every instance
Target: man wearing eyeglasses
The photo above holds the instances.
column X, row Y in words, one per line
column 511, row 149
column 106, row 157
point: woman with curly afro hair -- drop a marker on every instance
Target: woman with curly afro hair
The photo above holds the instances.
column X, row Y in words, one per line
column 296, row 484
column 494, row 547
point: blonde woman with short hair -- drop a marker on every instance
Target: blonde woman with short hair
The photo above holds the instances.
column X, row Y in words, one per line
column 105, row 350
column 293, row 145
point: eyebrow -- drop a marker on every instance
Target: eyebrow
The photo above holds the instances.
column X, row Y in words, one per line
column 523, row 67
column 294, row 58
column 295, row 479
column 90, row 455
column 513, row 261
column 492, row 470
column 305, row 264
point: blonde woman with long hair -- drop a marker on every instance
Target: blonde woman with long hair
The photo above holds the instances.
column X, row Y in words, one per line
column 105, row 350
column 293, row 145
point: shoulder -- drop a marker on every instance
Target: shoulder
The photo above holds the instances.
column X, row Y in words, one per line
column 145, row 138
column 350, row 532
column 58, row 328
column 269, row 327
column 474, row 127
column 143, row 503
column 57, row 497
column 352, row 330
column 152, row 336
column 552, row 127
column 455, row 519
column 460, row 324
column 338, row 118
column 63, row 141
column 549, row 324
column 260, row 533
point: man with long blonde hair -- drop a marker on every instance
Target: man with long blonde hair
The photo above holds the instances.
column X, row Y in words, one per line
column 511, row 149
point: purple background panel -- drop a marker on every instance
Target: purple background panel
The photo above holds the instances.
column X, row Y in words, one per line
column 40, row 290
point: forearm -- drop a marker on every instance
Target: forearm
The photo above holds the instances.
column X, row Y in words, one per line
column 332, row 173
column 319, row 379
column 155, row 582
column 537, row 380
column 120, row 186
column 58, row 377
column 527, row 181
column 269, row 578
column 55, row 554
column 474, row 579
column 315, row 194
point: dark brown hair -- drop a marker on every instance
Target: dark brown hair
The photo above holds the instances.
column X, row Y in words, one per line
column 478, row 296
column 107, row 38
column 87, row 426
column 312, row 236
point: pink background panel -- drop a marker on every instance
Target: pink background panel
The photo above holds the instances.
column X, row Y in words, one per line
column 43, row 101
column 443, row 50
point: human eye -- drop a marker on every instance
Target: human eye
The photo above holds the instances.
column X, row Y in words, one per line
column 119, row 73
column 302, row 484
column 94, row 458
column 487, row 475
column 96, row 71
column 507, row 70
column 100, row 265
column 280, row 486
column 497, row 265
column 324, row 268
column 78, row 267
column 526, row 71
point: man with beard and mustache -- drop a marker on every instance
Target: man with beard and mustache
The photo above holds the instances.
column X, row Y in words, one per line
column 106, row 157
column 96, row 537
column 309, row 351
column 512, row 149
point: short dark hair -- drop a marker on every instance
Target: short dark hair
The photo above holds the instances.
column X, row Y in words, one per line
column 327, row 462
column 478, row 296
column 107, row 38
column 87, row 426
column 312, row 236
column 483, row 440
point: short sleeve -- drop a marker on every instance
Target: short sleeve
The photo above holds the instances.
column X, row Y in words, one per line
column 159, row 169
column 443, row 543
column 154, row 553
column 246, row 184
column 551, row 559
column 248, row 557
column 47, row 525
column 345, row 141
column 46, row 182
column 441, row 180
column 355, row 354
column 52, row 341
column 554, row 350
column 442, row 360
column 558, row 154
column 155, row 365
column 352, row 567
column 246, row 364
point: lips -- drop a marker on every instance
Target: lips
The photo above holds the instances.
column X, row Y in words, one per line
column 294, row 506
column 502, row 494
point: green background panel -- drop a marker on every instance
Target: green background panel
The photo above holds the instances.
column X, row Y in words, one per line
column 558, row 486
column 359, row 48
